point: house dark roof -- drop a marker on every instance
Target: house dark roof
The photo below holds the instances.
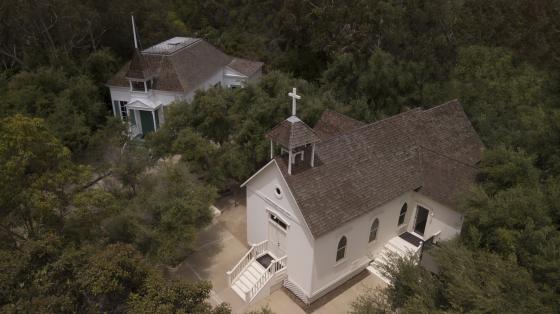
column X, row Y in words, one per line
column 333, row 123
column 139, row 68
column 432, row 151
column 292, row 133
column 180, row 67
column 244, row 66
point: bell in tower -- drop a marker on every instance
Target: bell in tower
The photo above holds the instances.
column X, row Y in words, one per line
column 294, row 138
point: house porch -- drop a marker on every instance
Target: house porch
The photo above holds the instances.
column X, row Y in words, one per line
column 143, row 118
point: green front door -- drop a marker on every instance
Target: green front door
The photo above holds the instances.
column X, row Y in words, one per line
column 147, row 121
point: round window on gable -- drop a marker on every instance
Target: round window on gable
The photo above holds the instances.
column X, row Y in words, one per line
column 278, row 192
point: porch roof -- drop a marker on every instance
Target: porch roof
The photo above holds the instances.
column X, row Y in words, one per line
column 143, row 105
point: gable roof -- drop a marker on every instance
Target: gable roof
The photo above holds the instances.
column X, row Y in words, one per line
column 333, row 123
column 431, row 151
column 180, row 64
column 292, row 133
column 244, row 66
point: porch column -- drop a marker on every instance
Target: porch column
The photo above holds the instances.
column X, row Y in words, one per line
column 290, row 161
column 162, row 118
column 271, row 149
column 154, row 119
column 313, row 155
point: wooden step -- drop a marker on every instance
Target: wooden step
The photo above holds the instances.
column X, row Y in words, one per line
column 246, row 281
column 239, row 291
column 241, row 285
column 376, row 272
column 254, row 272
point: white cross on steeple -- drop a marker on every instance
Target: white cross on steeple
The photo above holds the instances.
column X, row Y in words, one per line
column 295, row 97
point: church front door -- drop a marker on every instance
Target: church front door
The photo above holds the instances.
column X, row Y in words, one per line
column 276, row 237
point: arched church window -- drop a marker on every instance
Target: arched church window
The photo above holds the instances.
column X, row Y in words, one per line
column 341, row 249
column 373, row 230
column 402, row 215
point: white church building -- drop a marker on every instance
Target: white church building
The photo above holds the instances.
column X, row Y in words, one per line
column 170, row 71
column 335, row 199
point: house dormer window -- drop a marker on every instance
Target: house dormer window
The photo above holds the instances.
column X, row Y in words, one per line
column 138, row 86
column 341, row 249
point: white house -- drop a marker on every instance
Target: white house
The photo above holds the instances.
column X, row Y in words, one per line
column 335, row 199
column 173, row 70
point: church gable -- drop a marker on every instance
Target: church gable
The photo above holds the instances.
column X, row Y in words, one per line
column 269, row 185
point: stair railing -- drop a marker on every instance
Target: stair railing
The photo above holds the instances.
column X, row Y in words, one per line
column 251, row 255
column 274, row 267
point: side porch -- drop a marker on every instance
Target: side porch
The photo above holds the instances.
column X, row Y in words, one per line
column 407, row 244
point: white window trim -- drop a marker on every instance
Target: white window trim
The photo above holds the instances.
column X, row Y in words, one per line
column 270, row 211
column 405, row 213
column 376, row 232
column 345, row 258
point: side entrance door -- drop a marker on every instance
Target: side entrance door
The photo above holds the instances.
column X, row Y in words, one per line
column 421, row 220
column 147, row 121
column 277, row 236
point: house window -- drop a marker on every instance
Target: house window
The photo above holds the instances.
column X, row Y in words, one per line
column 373, row 230
column 138, row 86
column 402, row 215
column 341, row 249
column 278, row 221
column 122, row 107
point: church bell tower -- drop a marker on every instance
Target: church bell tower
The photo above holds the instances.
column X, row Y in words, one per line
column 294, row 137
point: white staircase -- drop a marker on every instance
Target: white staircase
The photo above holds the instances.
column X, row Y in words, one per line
column 395, row 246
column 249, row 277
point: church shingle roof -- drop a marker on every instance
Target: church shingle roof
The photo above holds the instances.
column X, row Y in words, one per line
column 432, row 151
column 332, row 123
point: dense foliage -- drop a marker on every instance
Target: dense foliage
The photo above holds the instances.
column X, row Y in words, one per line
column 86, row 215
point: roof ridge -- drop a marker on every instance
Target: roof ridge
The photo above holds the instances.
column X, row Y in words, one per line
column 448, row 157
column 447, row 103
column 416, row 109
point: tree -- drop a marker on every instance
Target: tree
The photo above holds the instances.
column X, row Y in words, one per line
column 162, row 219
column 172, row 296
column 467, row 282
column 39, row 178
column 70, row 105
